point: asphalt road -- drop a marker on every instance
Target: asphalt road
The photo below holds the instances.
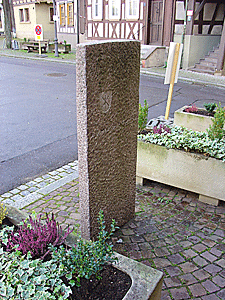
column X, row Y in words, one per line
column 38, row 114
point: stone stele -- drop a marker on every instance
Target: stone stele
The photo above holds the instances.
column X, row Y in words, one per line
column 107, row 123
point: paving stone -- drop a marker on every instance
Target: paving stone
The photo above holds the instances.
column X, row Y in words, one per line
column 176, row 258
column 209, row 256
column 216, row 252
column 221, row 263
column 221, row 294
column 161, row 251
column 200, row 261
column 127, row 232
column 220, row 232
column 173, row 271
column 165, row 295
column 176, row 248
column 161, row 262
column 212, row 269
column 188, row 267
column 201, row 275
column 186, row 244
column 187, row 279
column 137, row 239
column 210, row 286
column 209, row 243
column 172, row 282
column 189, row 253
column 220, row 281
column 210, row 297
column 180, row 293
column 197, row 290
column 17, row 197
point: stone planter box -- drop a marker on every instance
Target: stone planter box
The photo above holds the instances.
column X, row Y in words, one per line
column 65, row 48
column 189, row 171
column 146, row 281
column 192, row 121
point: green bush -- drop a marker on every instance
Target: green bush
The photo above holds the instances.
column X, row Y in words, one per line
column 216, row 130
column 210, row 107
column 86, row 257
column 143, row 116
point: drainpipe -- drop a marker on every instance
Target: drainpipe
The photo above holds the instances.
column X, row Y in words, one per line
column 78, row 21
column 55, row 25
column 183, row 33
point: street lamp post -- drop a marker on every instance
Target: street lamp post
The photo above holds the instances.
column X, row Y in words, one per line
column 78, row 20
column 55, row 24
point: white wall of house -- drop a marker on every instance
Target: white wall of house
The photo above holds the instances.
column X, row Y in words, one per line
column 38, row 14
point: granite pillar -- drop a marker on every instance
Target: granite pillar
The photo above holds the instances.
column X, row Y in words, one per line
column 107, row 124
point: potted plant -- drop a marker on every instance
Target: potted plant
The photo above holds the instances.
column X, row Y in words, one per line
column 186, row 159
column 63, row 272
column 198, row 119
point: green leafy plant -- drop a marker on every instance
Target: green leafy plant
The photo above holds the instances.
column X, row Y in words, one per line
column 86, row 258
column 187, row 140
column 2, row 212
column 210, row 107
column 23, row 278
column 216, row 130
column 143, row 116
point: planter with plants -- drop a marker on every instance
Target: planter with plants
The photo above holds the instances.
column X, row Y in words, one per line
column 187, row 159
column 198, row 119
column 40, row 261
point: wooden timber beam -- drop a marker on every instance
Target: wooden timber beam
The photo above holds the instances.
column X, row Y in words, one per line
column 221, row 54
column 190, row 23
column 200, row 7
column 213, row 18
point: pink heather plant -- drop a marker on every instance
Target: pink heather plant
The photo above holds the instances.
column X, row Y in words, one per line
column 191, row 109
column 35, row 236
column 161, row 129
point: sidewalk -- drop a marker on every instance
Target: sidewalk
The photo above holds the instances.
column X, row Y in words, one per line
column 172, row 231
column 184, row 75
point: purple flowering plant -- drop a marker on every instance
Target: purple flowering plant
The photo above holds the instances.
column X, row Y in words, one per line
column 191, row 109
column 161, row 129
column 35, row 236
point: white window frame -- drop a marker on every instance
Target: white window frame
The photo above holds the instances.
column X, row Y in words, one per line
column 97, row 8
column 117, row 5
column 131, row 15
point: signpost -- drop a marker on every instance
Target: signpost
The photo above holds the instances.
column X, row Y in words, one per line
column 39, row 35
column 173, row 66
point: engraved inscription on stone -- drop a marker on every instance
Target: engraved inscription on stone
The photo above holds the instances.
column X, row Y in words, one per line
column 105, row 100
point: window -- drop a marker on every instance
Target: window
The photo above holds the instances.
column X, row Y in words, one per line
column 0, row 17
column 114, row 9
column 62, row 14
column 51, row 14
column 132, row 9
column 70, row 14
column 24, row 15
column 21, row 15
column 97, row 9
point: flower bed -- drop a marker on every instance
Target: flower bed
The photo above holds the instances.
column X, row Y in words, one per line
column 30, row 277
column 186, row 159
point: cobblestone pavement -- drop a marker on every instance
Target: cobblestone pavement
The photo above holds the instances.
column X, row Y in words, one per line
column 172, row 232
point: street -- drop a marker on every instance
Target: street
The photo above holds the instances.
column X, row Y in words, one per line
column 38, row 114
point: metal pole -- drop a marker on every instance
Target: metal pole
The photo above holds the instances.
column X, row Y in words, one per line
column 55, row 25
column 78, row 19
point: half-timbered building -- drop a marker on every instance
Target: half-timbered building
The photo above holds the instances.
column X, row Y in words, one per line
column 198, row 24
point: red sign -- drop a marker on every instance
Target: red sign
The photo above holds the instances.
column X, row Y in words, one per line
column 38, row 30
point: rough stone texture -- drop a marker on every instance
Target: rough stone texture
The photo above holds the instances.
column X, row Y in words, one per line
column 107, row 112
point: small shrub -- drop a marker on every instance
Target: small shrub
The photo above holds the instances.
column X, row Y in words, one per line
column 86, row 258
column 216, row 130
column 210, row 107
column 2, row 212
column 161, row 129
column 143, row 116
column 191, row 109
column 33, row 236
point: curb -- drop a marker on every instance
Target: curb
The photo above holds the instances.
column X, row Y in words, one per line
column 33, row 190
